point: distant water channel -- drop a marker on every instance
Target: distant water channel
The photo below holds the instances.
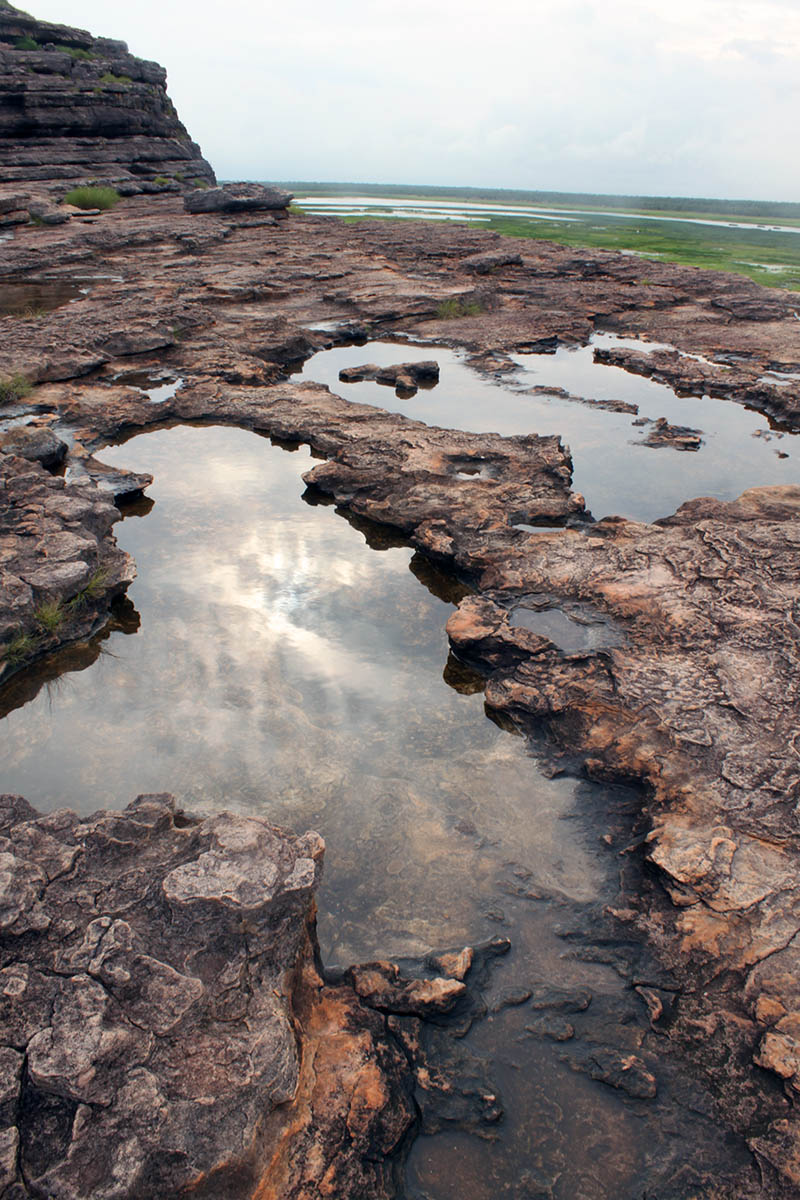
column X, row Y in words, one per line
column 275, row 658
column 616, row 474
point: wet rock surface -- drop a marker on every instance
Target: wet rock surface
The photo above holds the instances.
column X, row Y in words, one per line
column 59, row 565
column 697, row 698
column 406, row 377
column 165, row 1028
column 700, row 702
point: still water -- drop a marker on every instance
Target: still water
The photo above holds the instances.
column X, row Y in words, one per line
column 613, row 471
column 275, row 658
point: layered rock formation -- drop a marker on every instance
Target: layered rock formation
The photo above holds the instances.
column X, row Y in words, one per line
column 76, row 108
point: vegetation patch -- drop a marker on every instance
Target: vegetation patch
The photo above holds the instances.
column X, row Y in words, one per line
column 110, row 77
column 92, row 197
column 50, row 616
column 13, row 387
column 21, row 646
column 26, row 43
column 95, row 588
column 77, row 52
column 457, row 306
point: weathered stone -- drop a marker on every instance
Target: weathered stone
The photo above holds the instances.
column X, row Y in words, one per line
column 89, row 113
column 406, row 377
column 236, row 197
column 679, row 437
column 698, row 702
column 381, row 986
column 192, row 1044
column 482, row 264
column 38, row 444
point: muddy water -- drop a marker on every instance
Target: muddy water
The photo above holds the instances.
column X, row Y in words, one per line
column 276, row 659
column 615, row 473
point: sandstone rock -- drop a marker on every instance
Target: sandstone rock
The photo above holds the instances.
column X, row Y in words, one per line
column 12, row 202
column 679, row 437
column 19, row 216
column 236, row 197
column 406, row 377
column 91, row 113
column 699, row 703
column 37, row 444
column 49, row 214
column 381, row 986
column 54, row 540
column 482, row 264
column 189, row 1044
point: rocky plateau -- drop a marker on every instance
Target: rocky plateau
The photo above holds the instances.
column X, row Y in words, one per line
column 162, row 996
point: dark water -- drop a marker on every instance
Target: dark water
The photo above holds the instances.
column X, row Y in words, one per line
column 276, row 659
column 33, row 299
column 614, row 473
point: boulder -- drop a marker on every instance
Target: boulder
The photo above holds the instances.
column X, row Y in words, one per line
column 35, row 443
column 236, row 197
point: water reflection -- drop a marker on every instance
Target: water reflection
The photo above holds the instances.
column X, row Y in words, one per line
column 615, row 473
column 270, row 660
column 32, row 299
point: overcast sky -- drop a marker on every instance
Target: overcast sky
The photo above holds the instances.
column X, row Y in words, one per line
column 653, row 97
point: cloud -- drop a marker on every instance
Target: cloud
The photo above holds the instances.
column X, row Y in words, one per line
column 695, row 98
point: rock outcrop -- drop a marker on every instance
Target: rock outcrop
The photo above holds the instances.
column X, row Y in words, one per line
column 164, row 1028
column 76, row 108
column 237, row 197
column 59, row 564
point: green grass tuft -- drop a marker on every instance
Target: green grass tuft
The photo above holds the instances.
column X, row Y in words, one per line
column 94, row 589
column 13, row 387
column 458, row 307
column 77, row 52
column 110, row 77
column 92, row 197
column 26, row 43
column 21, row 646
column 50, row 616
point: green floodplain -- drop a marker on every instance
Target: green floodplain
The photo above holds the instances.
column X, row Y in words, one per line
column 735, row 235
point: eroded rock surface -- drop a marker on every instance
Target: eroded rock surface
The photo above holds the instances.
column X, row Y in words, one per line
column 59, row 564
column 164, row 1028
column 701, row 703
column 696, row 696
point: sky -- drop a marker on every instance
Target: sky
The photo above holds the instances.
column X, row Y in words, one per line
column 639, row 97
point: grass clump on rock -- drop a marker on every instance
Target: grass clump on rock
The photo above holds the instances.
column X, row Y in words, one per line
column 26, row 43
column 50, row 616
column 76, row 52
column 458, row 307
column 96, row 585
column 21, row 646
column 13, row 387
column 92, row 197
